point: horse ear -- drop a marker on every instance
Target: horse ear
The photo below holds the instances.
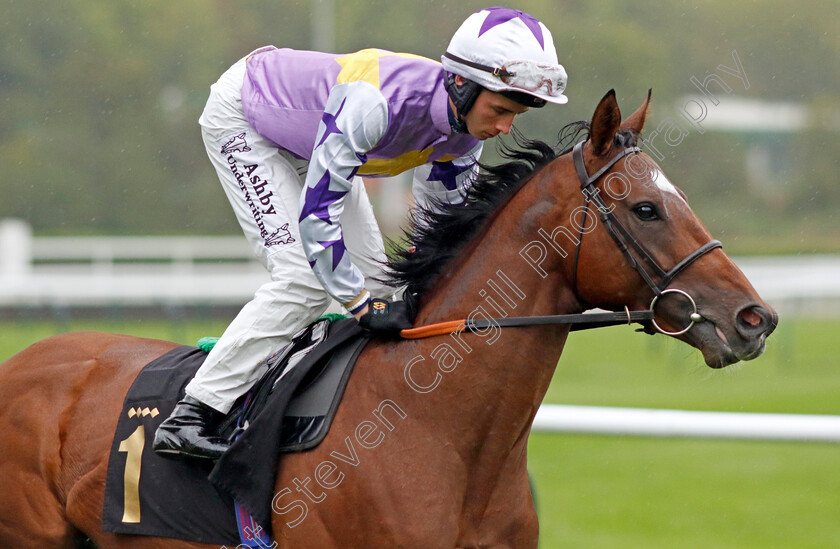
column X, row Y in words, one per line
column 605, row 123
column 636, row 121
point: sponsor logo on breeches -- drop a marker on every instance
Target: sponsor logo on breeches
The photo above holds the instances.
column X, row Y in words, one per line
column 260, row 205
column 236, row 144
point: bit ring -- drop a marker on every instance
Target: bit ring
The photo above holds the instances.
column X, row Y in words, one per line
column 694, row 317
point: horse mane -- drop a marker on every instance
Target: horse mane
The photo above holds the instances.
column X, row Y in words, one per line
column 436, row 234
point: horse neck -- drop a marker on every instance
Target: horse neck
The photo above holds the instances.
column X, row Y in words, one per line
column 505, row 372
column 491, row 272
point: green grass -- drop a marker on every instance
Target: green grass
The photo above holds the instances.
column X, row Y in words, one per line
column 798, row 373
column 615, row 492
column 17, row 335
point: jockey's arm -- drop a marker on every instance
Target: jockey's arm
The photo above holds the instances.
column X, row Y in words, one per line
column 355, row 118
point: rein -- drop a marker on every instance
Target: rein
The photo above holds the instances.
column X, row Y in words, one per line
column 625, row 242
column 578, row 322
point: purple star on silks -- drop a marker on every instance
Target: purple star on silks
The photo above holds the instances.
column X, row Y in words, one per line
column 498, row 16
column 319, row 199
column 329, row 121
column 447, row 173
column 338, row 249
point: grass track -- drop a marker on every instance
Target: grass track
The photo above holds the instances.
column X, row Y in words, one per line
column 617, row 492
column 612, row 492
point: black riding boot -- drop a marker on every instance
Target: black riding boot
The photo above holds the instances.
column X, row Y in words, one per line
column 185, row 433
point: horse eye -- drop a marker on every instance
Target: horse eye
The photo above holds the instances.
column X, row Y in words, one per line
column 646, row 212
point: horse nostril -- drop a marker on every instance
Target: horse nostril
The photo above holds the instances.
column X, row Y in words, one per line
column 753, row 321
column 750, row 317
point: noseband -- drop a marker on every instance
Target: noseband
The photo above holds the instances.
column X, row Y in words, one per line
column 649, row 269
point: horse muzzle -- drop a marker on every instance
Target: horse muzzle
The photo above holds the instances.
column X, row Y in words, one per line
column 742, row 338
column 723, row 338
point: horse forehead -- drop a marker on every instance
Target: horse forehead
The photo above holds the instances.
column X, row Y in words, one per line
column 641, row 168
column 661, row 181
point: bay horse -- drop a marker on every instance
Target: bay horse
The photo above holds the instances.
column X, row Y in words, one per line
column 428, row 448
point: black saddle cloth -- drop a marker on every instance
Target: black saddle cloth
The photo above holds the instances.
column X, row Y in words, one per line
column 247, row 470
column 290, row 409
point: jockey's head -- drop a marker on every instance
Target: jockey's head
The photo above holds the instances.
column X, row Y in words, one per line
column 509, row 54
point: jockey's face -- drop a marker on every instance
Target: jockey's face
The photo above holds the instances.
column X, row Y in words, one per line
column 491, row 114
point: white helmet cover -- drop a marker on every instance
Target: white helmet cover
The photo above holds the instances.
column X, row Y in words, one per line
column 503, row 49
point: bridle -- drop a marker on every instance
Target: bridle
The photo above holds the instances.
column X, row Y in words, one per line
column 627, row 242
column 656, row 277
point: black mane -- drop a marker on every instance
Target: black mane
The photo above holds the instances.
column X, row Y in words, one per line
column 436, row 235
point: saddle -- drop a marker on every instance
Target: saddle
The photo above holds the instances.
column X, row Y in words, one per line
column 318, row 389
column 289, row 410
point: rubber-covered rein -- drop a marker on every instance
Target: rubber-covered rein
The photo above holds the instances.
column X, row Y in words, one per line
column 578, row 321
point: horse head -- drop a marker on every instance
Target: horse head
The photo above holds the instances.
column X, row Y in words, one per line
column 635, row 219
column 599, row 226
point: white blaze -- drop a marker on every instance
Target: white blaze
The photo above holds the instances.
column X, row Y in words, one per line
column 661, row 181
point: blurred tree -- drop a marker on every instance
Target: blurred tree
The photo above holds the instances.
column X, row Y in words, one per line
column 100, row 100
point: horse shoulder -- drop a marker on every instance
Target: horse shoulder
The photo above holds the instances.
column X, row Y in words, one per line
column 375, row 460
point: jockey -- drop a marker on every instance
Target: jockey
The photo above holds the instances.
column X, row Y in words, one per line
column 288, row 132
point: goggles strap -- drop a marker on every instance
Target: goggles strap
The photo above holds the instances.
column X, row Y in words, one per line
column 495, row 71
column 523, row 98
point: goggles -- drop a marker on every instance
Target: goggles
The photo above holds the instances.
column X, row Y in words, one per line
column 528, row 76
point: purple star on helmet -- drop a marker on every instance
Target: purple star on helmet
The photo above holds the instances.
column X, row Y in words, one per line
column 338, row 249
column 497, row 16
column 319, row 199
column 447, row 173
column 329, row 122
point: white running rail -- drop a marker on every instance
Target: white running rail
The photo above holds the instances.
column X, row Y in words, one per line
column 219, row 270
column 557, row 418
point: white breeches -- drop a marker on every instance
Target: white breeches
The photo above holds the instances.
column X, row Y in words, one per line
column 263, row 184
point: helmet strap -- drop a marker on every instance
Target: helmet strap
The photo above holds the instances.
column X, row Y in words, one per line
column 458, row 126
column 463, row 96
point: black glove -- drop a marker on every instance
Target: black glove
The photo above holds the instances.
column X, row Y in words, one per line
column 387, row 317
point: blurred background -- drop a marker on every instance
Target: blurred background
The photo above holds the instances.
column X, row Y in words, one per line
column 100, row 102
column 113, row 219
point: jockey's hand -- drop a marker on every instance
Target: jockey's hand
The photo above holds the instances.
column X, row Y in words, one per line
column 387, row 317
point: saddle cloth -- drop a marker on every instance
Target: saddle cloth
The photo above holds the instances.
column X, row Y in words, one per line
column 289, row 409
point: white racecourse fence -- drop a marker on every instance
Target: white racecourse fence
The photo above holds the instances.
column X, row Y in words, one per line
column 56, row 272
column 682, row 423
column 220, row 270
